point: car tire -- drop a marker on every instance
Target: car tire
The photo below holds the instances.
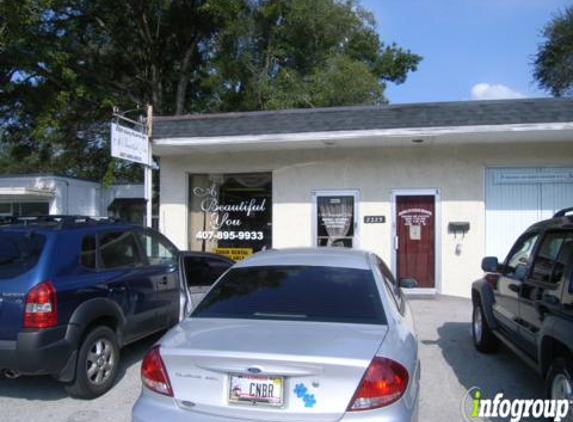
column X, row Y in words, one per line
column 559, row 382
column 97, row 364
column 485, row 340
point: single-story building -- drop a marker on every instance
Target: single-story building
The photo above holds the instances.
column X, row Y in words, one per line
column 42, row 194
column 431, row 188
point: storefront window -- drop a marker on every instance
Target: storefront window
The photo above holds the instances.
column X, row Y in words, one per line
column 230, row 214
column 335, row 220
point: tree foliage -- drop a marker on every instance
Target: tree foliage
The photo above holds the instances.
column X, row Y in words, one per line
column 553, row 64
column 65, row 63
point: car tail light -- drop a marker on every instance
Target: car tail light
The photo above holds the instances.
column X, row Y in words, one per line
column 41, row 306
column 153, row 373
column 384, row 383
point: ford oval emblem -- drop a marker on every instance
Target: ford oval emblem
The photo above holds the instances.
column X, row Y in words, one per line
column 254, row 370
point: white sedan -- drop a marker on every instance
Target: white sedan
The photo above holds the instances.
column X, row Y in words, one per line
column 290, row 335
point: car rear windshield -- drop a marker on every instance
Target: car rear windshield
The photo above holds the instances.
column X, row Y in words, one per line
column 19, row 253
column 306, row 293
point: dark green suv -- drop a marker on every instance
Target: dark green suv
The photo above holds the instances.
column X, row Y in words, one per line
column 526, row 302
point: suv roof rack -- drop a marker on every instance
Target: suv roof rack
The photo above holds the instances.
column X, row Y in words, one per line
column 563, row 212
column 56, row 221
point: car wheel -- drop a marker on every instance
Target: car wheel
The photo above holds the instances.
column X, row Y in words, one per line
column 484, row 339
column 97, row 365
column 559, row 383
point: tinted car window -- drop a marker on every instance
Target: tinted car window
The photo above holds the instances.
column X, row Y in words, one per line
column 118, row 249
column 19, row 253
column 564, row 259
column 295, row 292
column 546, row 267
column 157, row 251
column 521, row 252
column 203, row 271
column 88, row 253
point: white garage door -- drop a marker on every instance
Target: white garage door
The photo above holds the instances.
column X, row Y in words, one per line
column 515, row 198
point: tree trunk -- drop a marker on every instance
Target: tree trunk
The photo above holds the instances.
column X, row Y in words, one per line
column 184, row 79
column 156, row 90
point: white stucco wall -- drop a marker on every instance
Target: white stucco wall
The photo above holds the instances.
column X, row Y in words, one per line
column 456, row 171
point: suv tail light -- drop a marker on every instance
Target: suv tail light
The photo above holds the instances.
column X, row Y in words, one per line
column 153, row 373
column 40, row 309
column 384, row 383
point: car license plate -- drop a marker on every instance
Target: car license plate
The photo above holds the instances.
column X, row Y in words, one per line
column 251, row 389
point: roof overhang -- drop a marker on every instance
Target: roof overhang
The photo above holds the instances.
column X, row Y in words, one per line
column 20, row 193
column 398, row 137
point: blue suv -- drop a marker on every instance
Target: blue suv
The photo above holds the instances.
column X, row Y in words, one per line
column 74, row 291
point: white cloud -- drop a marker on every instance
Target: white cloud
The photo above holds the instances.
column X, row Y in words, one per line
column 485, row 91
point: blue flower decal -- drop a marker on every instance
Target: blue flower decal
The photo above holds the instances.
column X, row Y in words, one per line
column 300, row 390
column 309, row 400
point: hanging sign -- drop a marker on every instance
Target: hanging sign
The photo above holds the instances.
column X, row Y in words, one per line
column 129, row 144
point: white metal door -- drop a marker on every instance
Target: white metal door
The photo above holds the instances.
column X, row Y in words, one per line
column 516, row 198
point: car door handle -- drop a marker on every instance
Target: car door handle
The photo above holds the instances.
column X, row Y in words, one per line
column 514, row 287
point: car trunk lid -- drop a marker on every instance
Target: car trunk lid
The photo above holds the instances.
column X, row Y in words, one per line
column 317, row 365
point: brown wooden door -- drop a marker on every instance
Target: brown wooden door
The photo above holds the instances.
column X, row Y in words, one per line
column 415, row 221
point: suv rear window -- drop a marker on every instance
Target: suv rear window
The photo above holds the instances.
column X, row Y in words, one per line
column 305, row 293
column 19, row 253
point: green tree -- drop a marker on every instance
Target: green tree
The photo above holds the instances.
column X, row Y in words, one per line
column 65, row 63
column 553, row 64
column 298, row 53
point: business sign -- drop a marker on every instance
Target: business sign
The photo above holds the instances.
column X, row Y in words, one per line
column 236, row 254
column 554, row 176
column 129, row 144
column 230, row 214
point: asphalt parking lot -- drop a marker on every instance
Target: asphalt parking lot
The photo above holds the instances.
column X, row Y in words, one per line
column 450, row 366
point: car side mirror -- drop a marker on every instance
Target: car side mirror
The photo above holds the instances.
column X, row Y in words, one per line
column 408, row 283
column 490, row 264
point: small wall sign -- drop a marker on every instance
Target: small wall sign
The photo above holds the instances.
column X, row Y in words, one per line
column 374, row 219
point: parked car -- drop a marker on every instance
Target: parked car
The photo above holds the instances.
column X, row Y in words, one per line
column 74, row 291
column 526, row 302
column 302, row 334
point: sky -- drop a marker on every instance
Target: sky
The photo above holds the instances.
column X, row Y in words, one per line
column 471, row 49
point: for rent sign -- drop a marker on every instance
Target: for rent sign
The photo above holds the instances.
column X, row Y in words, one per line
column 129, row 144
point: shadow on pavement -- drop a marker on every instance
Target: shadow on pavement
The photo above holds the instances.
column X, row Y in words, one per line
column 501, row 372
column 45, row 388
